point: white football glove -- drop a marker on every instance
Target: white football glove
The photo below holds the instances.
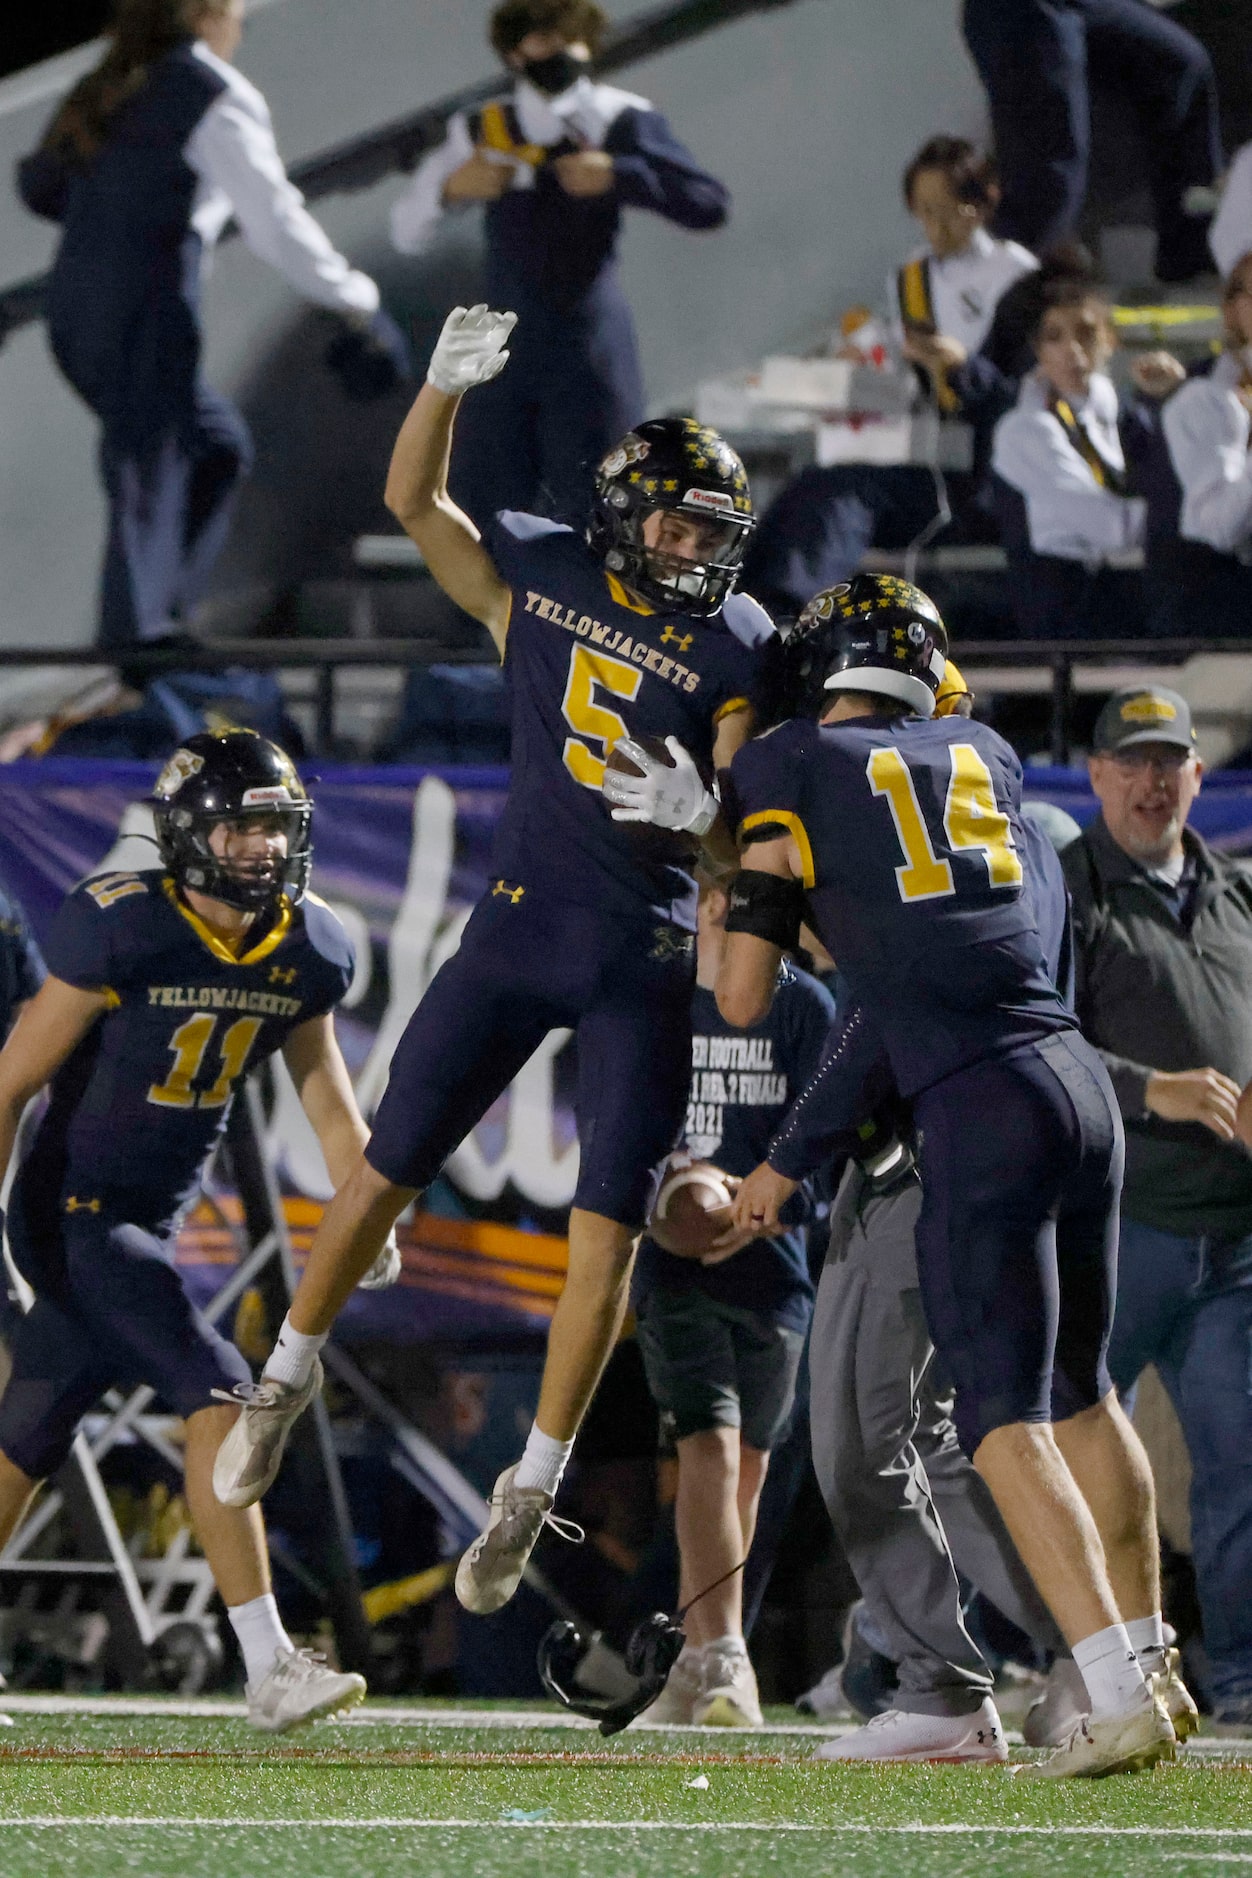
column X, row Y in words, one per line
column 470, row 350
column 386, row 1267
column 668, row 798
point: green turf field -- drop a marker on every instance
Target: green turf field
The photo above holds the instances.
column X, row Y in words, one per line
column 485, row 1794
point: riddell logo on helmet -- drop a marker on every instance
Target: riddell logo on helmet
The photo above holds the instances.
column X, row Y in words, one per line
column 708, row 499
column 272, row 793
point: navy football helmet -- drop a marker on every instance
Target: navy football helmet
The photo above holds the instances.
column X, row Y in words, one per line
column 227, row 776
column 677, row 466
column 874, row 633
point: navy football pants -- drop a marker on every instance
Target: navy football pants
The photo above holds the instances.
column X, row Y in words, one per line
column 110, row 1309
column 528, row 965
column 1021, row 1160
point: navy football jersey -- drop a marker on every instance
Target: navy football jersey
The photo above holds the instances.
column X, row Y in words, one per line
column 587, row 665
column 910, row 838
column 136, row 1107
column 742, row 1084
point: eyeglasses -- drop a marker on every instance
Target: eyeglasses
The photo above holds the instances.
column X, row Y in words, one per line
column 1169, row 761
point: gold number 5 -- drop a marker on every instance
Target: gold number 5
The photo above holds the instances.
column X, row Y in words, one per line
column 189, row 1044
column 590, row 720
column 972, row 819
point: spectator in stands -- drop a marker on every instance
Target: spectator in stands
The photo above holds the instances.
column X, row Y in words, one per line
column 144, row 164
column 554, row 160
column 1072, row 531
column 1204, row 580
column 943, row 305
column 1230, row 236
column 721, row 1342
column 1036, row 58
column 1163, row 941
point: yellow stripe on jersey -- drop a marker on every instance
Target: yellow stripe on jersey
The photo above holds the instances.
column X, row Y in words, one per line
column 795, row 828
column 218, row 947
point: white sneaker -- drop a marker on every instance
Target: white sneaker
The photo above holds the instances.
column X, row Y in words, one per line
column 826, row 1699
column 251, row 1455
column 300, row 1688
column 1118, row 1744
column 1174, row 1696
column 677, row 1700
column 897, row 1736
column 491, row 1570
column 1053, row 1718
column 728, row 1695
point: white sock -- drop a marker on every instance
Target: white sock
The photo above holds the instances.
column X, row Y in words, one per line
column 1147, row 1640
column 261, row 1636
column 543, row 1461
column 1110, row 1669
column 293, row 1356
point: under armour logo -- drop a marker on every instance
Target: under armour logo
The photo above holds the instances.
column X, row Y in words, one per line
column 511, row 894
column 282, row 975
column 73, row 1205
column 682, row 640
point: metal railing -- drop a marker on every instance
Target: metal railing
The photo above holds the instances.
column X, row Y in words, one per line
column 363, row 161
column 1056, row 661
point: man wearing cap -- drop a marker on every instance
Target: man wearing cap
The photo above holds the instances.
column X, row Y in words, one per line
column 1163, row 943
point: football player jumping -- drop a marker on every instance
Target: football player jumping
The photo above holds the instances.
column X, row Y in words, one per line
column 629, row 630
column 899, row 831
column 164, row 988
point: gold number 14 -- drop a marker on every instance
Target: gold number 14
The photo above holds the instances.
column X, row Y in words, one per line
column 189, row 1044
column 972, row 819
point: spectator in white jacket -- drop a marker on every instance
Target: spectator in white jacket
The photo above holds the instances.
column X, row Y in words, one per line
column 1072, row 529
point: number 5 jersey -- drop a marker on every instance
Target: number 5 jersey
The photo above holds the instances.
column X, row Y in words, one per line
column 137, row 1106
column 909, row 836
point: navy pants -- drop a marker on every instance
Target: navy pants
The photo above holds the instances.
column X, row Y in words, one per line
column 1021, row 1160
column 1185, row 1304
column 528, row 965
column 1037, row 58
column 533, row 437
column 110, row 1309
column 817, row 530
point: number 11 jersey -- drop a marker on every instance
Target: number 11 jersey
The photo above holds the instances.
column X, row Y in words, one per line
column 138, row 1104
column 588, row 664
column 910, row 839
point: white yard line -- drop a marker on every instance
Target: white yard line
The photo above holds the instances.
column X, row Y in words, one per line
column 915, row 1829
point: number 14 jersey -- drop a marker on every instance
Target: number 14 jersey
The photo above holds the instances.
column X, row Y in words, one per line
column 587, row 665
column 909, row 835
column 137, row 1106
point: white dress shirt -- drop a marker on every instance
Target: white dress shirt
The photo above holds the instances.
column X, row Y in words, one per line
column 584, row 113
column 1207, row 428
column 965, row 288
column 1230, row 233
column 233, row 152
column 1068, row 512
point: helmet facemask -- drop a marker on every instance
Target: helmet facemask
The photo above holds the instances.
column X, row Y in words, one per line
column 253, row 883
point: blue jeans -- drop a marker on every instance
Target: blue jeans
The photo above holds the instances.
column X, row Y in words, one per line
column 1185, row 1304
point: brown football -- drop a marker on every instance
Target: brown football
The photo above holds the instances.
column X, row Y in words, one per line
column 692, row 1208
column 656, row 844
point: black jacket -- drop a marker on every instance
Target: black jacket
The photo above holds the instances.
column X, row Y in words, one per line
column 1153, row 994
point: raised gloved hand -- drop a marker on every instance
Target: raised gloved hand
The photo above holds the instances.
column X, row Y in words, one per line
column 674, row 798
column 386, row 1267
column 470, row 350
column 370, row 360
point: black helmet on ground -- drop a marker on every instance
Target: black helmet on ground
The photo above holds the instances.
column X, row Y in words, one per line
column 672, row 466
column 874, row 633
column 231, row 776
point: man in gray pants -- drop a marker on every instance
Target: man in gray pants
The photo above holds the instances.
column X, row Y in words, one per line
column 908, row 1507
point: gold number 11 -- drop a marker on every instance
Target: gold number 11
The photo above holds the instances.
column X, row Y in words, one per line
column 189, row 1044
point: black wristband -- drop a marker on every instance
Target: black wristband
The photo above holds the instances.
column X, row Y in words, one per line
column 767, row 907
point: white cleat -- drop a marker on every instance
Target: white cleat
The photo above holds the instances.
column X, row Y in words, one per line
column 251, row 1455
column 826, row 1699
column 301, row 1688
column 491, row 1570
column 1117, row 1744
column 1052, row 1719
column 1174, row 1696
column 897, row 1736
column 677, row 1701
column 728, row 1695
